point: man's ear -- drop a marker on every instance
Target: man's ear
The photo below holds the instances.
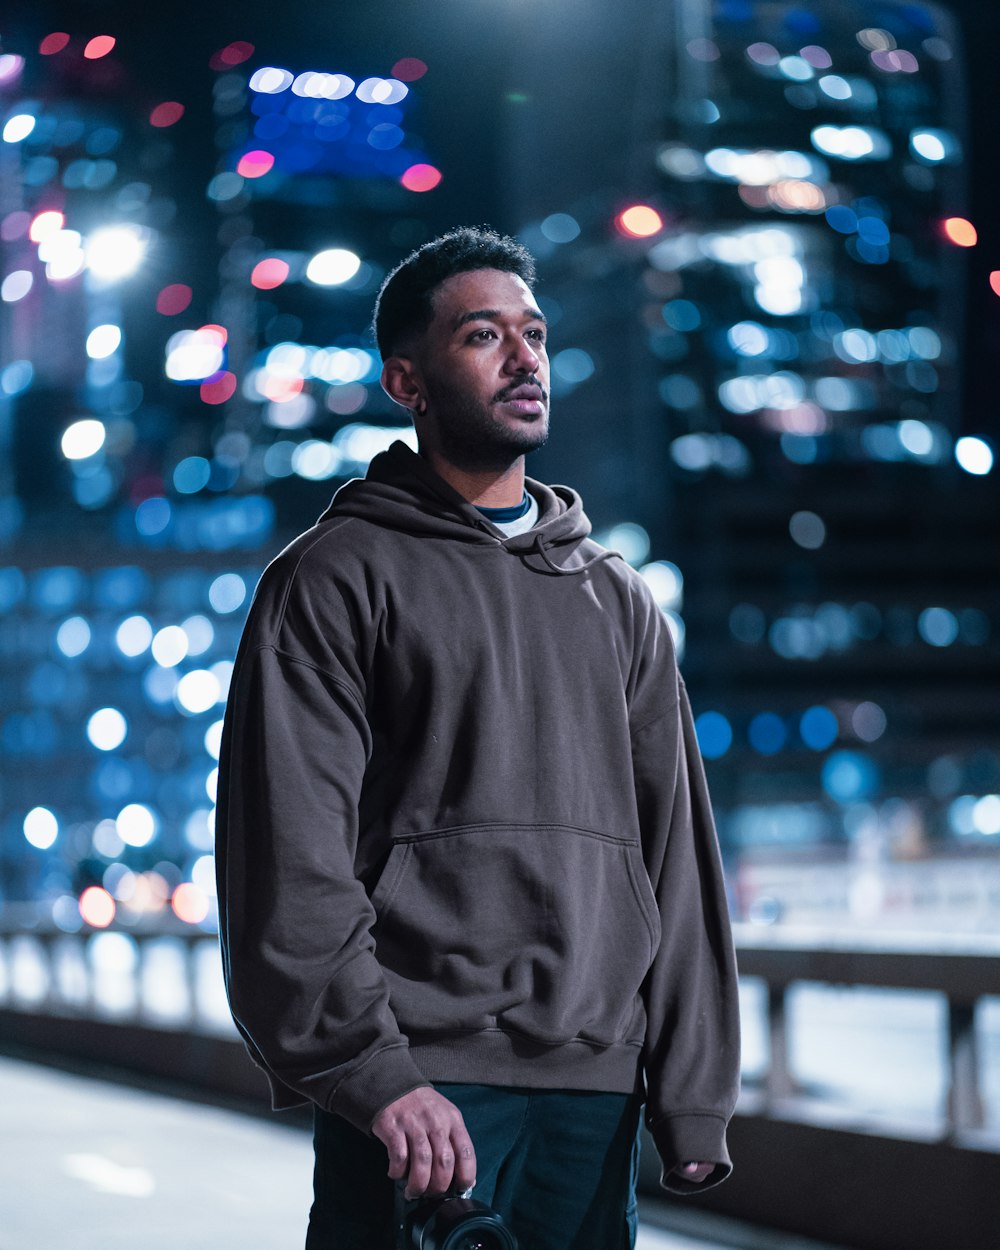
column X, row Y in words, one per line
column 401, row 382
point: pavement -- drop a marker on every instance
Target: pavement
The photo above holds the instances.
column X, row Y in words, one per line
column 89, row 1164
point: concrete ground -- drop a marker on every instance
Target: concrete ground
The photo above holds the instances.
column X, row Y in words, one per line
column 88, row 1164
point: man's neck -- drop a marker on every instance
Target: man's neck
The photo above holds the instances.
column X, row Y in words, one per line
column 488, row 488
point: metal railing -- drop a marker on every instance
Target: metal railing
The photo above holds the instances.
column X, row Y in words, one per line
column 964, row 971
column 48, row 972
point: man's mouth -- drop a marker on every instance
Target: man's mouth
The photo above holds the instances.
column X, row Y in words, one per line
column 527, row 398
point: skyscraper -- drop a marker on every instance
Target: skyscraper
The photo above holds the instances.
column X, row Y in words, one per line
column 761, row 275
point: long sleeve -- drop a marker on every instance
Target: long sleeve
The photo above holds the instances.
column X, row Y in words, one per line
column 305, row 989
column 692, row 1051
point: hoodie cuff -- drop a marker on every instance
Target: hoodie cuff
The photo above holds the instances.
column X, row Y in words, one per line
column 691, row 1138
column 379, row 1081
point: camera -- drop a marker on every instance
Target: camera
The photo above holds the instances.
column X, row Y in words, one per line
column 450, row 1222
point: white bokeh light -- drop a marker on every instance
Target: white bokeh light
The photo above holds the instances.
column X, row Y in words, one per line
column 974, row 455
column 103, row 341
column 18, row 127
column 73, row 636
column 136, row 825
column 115, row 252
column 83, row 438
column 197, row 691
column 41, row 828
column 134, row 635
column 107, row 729
column 333, row 267
column 169, row 646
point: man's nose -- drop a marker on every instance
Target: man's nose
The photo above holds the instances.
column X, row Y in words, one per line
column 521, row 357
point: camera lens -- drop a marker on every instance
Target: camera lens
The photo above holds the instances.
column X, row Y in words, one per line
column 480, row 1239
column 457, row 1224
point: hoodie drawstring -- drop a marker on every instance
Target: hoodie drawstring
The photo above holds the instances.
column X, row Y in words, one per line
column 539, row 548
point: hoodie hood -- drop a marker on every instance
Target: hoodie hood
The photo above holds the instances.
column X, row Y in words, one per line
column 402, row 492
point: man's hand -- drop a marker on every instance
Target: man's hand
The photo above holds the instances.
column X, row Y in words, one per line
column 695, row 1172
column 427, row 1142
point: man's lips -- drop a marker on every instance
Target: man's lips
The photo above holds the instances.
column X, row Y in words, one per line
column 527, row 398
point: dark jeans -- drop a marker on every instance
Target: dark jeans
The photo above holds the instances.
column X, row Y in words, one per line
column 558, row 1165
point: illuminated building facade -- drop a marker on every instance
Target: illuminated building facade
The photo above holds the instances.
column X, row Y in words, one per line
column 753, row 237
column 793, row 259
column 137, row 514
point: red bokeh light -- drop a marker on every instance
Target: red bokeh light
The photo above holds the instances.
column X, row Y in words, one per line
column 995, row 281
column 53, row 43
column 421, row 178
column 166, row 114
column 255, row 164
column 173, row 299
column 269, row 273
column 409, row 69
column 99, row 46
column 960, row 231
column 639, row 222
column 97, row 907
column 218, row 388
column 232, row 54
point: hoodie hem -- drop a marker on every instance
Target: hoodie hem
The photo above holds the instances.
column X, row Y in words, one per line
column 494, row 1057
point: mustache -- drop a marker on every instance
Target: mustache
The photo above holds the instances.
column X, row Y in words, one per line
column 529, row 380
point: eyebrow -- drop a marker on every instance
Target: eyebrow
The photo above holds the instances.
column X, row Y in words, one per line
column 494, row 314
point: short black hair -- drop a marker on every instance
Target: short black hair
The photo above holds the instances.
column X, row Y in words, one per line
column 403, row 306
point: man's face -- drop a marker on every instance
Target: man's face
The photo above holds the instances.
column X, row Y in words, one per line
column 484, row 371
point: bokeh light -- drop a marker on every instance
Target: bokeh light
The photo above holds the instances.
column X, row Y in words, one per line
column 639, row 221
column 99, row 46
column 166, row 114
column 974, row 455
column 17, row 128
column 234, row 53
column 136, row 824
column 218, row 389
column 269, row 273
column 107, row 729
column 409, row 69
column 174, row 299
column 715, row 734
column 189, row 903
column 45, row 225
column 97, row 907
column 333, row 267
column 83, row 438
column 960, row 231
column 41, row 829
column 53, row 43
column 421, row 177
column 255, row 164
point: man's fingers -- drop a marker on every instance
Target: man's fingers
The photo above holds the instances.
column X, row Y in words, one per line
column 421, row 1164
column 465, row 1159
column 427, row 1143
column 399, row 1155
column 443, row 1164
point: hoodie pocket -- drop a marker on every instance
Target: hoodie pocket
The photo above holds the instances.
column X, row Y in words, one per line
column 545, row 931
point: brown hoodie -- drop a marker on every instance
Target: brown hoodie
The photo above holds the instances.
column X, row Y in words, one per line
column 463, row 829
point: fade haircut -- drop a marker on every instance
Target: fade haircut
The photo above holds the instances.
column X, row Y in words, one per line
column 404, row 307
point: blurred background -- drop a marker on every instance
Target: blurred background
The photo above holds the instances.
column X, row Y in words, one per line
column 769, row 247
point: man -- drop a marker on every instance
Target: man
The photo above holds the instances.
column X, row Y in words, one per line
column 471, row 900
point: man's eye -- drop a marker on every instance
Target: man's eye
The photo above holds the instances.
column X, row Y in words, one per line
column 480, row 336
column 538, row 335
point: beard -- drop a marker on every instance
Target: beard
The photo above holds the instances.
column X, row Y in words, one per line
column 469, row 434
